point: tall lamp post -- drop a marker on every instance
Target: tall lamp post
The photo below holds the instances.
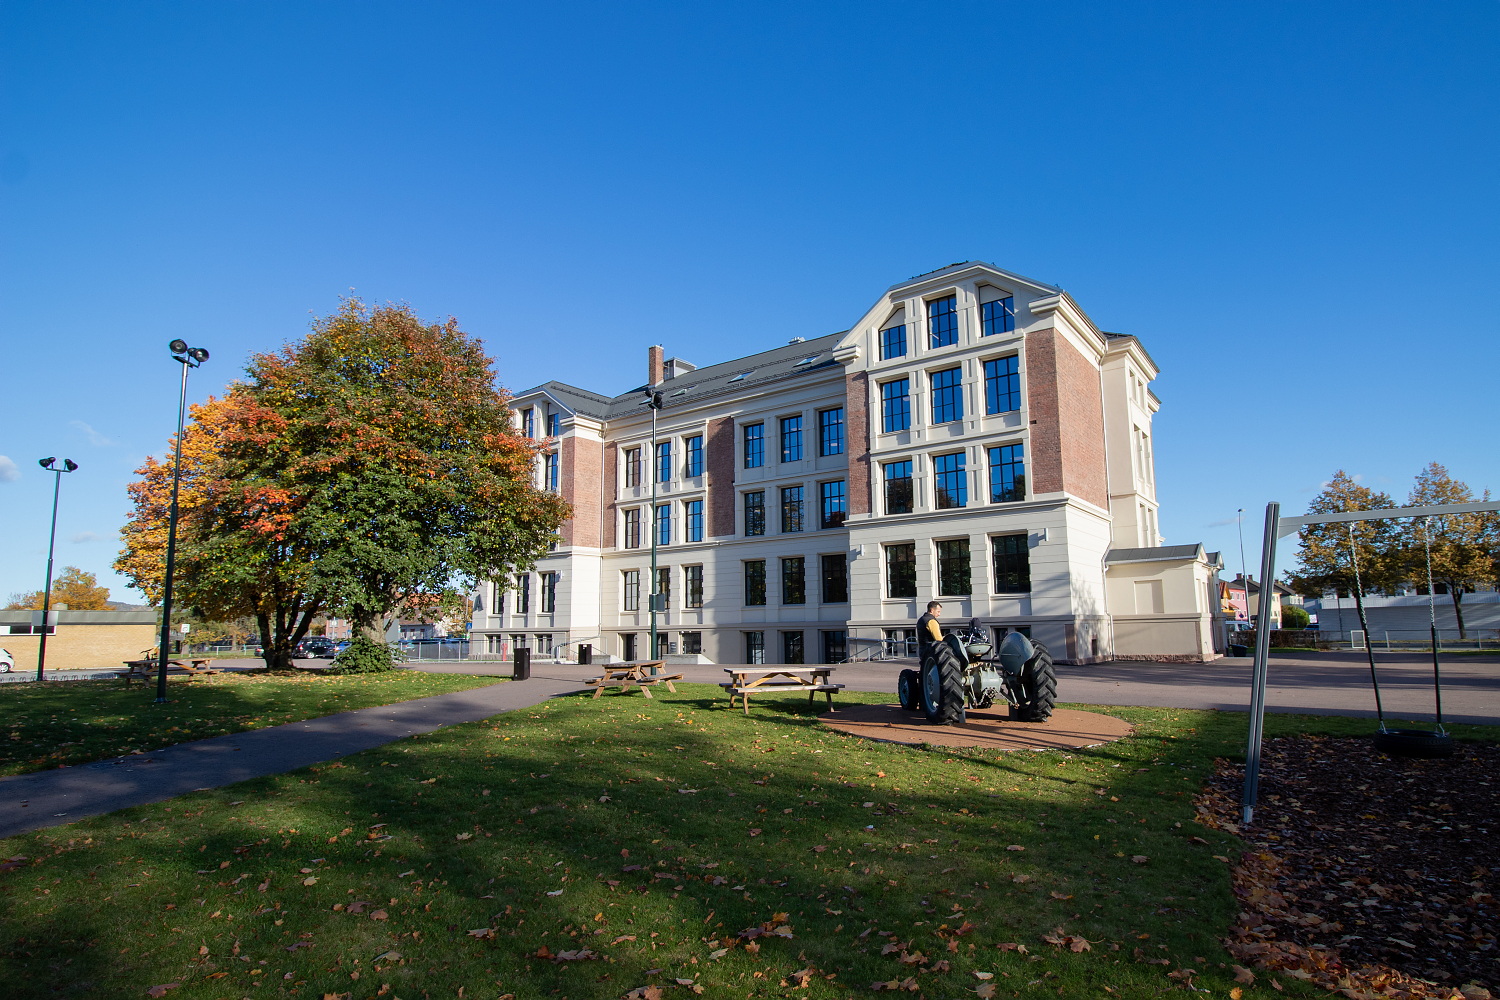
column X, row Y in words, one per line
column 189, row 357
column 50, row 464
column 656, row 599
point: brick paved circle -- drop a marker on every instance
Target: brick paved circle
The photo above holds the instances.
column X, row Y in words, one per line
column 991, row 729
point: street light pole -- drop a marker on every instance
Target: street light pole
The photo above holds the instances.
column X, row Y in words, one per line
column 189, row 357
column 68, row 466
column 1244, row 575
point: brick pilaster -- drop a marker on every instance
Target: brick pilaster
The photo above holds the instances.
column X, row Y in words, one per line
column 857, row 440
column 719, row 465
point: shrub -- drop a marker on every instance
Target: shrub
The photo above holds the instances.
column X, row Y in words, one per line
column 364, row 655
column 1294, row 617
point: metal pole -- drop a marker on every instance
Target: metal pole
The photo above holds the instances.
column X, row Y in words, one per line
column 655, row 527
column 1244, row 572
column 41, row 650
column 166, row 597
column 1258, row 678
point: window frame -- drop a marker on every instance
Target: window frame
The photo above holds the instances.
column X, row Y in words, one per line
column 630, row 590
column 890, row 339
column 692, row 466
column 753, row 445
column 755, row 513
column 552, row 472
column 523, row 594
column 1006, row 317
column 692, row 520
column 944, row 481
column 1012, row 466
column 947, row 400
column 793, row 511
column 889, row 480
column 631, row 532
column 907, row 566
column 833, row 505
column 831, row 431
column 664, row 584
column 661, row 524
column 549, row 592
column 554, row 425
column 895, row 408
column 692, row 586
column 755, row 582
column 947, row 566
column 1018, row 575
column 1002, row 389
column 663, row 461
column 632, row 467
column 942, row 323
column 793, row 646
column 791, row 438
column 834, row 584
column 793, row 581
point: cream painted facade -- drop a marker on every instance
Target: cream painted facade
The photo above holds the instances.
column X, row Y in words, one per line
column 1028, row 436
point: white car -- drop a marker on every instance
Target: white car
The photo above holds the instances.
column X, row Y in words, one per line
column 7, row 661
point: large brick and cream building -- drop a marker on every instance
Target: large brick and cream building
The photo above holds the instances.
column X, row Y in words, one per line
column 974, row 438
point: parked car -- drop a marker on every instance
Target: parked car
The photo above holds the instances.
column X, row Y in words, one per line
column 317, row 649
column 7, row 661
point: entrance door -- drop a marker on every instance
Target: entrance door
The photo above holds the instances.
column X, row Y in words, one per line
column 627, row 647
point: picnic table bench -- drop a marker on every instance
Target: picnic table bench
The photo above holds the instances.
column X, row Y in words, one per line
column 145, row 670
column 745, row 681
column 644, row 674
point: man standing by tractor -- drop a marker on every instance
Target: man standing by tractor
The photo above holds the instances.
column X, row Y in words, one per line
column 928, row 631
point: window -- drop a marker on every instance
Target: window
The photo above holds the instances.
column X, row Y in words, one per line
column 998, row 316
column 523, row 594
column 893, row 342
column 794, row 580
column 947, row 395
column 692, row 583
column 755, row 513
column 550, row 473
column 1007, row 473
column 901, row 570
column 755, row 445
column 632, row 467
column 554, row 424
column 528, row 422
column 898, row 488
column 664, row 585
column 633, row 528
column 895, row 405
column 549, row 593
column 631, row 589
column 755, row 647
column 831, row 431
column 664, row 462
column 835, row 578
column 1002, row 385
column 835, row 645
column 520, row 641
column 694, row 465
column 833, row 507
column 694, row 517
column 755, row 583
column 664, row 524
column 954, row 578
column 950, row 480
column 791, row 647
column 942, row 322
column 1012, row 564
column 791, row 508
column 692, row 642
column 791, row 439
column 544, row 644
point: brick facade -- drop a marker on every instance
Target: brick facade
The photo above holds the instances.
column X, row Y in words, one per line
column 1067, row 420
column 1044, row 456
column 857, row 433
column 609, row 492
column 580, row 476
column 719, row 465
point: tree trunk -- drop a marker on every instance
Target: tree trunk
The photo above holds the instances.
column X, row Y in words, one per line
column 1458, row 608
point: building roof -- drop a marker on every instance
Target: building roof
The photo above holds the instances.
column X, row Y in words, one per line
column 1159, row 553
column 793, row 360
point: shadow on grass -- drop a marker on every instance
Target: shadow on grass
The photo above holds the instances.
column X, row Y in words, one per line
column 643, row 837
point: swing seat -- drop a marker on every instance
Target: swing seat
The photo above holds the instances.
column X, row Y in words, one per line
column 1414, row 743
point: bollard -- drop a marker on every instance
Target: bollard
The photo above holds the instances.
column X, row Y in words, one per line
column 585, row 653
column 523, row 665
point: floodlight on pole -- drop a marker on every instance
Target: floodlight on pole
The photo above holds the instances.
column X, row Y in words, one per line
column 50, row 464
column 189, row 357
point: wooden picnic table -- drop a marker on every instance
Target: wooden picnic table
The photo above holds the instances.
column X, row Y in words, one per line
column 146, row 669
column 745, row 681
column 643, row 674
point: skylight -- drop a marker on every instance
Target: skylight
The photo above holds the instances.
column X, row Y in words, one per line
column 806, row 361
column 741, row 376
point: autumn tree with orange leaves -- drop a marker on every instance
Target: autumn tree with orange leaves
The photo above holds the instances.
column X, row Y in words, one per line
column 368, row 465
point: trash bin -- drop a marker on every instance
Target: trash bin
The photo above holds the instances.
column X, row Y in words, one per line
column 1236, row 649
column 585, row 653
column 522, row 669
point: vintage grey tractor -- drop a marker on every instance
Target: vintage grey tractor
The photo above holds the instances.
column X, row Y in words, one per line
column 959, row 673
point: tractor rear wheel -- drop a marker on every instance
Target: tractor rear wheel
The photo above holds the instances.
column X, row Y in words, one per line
column 943, row 687
column 1038, row 687
column 909, row 690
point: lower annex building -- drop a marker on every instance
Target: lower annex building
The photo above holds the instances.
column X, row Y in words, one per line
column 974, row 438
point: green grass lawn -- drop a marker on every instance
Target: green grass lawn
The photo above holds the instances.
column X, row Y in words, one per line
column 73, row 722
column 603, row 849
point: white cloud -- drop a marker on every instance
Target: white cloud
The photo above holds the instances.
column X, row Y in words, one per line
column 8, row 471
column 95, row 438
column 85, row 536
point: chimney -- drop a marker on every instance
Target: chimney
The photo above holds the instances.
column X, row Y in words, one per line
column 654, row 365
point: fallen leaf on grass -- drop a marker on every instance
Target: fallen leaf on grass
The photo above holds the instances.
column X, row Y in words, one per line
column 161, row 991
column 717, row 954
column 1242, row 974
column 483, row 933
column 310, row 880
column 379, row 915
column 1072, row 942
column 1015, row 847
column 644, row 993
column 1139, row 859
column 755, row 831
column 1019, row 949
column 387, row 956
column 799, row 978
column 985, row 990
column 555, row 892
column 463, row 836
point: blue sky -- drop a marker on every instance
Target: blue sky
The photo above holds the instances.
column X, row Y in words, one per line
column 1294, row 206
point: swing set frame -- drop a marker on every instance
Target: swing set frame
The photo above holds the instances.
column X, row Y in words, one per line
column 1278, row 527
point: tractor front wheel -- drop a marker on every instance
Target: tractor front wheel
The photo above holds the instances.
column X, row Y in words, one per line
column 909, row 690
column 1038, row 687
column 943, row 687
